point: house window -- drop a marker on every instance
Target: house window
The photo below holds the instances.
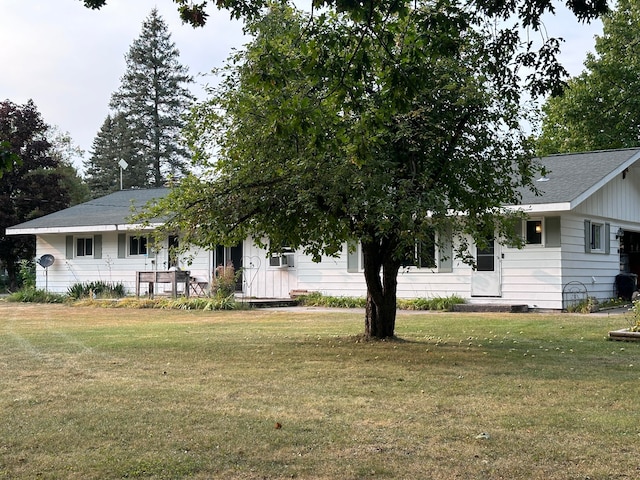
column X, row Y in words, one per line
column 422, row 254
column 534, row 232
column 596, row 236
column 137, row 246
column 432, row 254
column 355, row 257
column 84, row 247
column 485, row 257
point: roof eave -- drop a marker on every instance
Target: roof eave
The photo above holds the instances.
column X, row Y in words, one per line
column 80, row 229
column 543, row 207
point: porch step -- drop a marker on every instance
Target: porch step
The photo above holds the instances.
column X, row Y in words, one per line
column 470, row 307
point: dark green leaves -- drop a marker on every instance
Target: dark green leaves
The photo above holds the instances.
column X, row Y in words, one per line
column 600, row 109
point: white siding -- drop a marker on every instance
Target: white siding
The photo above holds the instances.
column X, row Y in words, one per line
column 618, row 199
column 533, row 276
column 67, row 272
column 260, row 280
column 597, row 270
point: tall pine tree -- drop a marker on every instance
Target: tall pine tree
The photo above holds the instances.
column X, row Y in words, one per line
column 144, row 128
column 115, row 142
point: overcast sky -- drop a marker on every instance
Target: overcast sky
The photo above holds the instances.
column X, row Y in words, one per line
column 69, row 59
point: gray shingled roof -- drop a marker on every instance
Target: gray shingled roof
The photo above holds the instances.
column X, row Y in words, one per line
column 571, row 178
column 113, row 209
column 575, row 176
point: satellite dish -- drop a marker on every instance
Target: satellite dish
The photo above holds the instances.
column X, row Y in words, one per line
column 46, row 260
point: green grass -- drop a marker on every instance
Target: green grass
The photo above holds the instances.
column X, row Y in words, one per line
column 103, row 393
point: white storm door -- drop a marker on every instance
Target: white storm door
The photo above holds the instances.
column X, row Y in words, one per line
column 486, row 278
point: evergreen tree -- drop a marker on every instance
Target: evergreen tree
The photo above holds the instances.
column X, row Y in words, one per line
column 114, row 142
column 153, row 96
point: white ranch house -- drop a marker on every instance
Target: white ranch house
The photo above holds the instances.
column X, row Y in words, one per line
column 582, row 233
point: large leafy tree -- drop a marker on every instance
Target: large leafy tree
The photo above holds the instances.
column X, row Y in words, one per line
column 152, row 99
column 66, row 153
column 37, row 185
column 529, row 11
column 600, row 108
column 8, row 159
column 396, row 115
column 382, row 130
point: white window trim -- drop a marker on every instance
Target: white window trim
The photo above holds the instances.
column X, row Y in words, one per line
column 438, row 260
column 600, row 237
column 75, row 247
column 137, row 255
column 542, row 233
column 604, row 234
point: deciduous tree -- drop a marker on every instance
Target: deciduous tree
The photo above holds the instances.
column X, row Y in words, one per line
column 36, row 186
column 600, row 108
column 529, row 11
column 330, row 129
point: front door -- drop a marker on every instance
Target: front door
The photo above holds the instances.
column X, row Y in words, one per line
column 485, row 279
column 230, row 257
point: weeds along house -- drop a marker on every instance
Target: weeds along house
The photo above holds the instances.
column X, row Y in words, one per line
column 582, row 236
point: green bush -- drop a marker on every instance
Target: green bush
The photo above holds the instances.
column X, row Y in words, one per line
column 435, row 303
column 27, row 274
column 588, row 305
column 97, row 289
column 34, row 295
column 316, row 299
column 216, row 302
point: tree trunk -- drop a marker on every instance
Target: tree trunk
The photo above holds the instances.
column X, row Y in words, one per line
column 381, row 276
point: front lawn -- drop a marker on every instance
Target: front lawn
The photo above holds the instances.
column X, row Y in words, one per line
column 102, row 393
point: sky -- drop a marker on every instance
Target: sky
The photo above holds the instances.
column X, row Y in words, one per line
column 69, row 59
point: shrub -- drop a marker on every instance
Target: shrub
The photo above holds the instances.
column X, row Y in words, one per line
column 316, row 299
column 34, row 295
column 588, row 305
column 435, row 303
column 181, row 303
column 97, row 289
column 218, row 302
column 27, row 273
column 224, row 283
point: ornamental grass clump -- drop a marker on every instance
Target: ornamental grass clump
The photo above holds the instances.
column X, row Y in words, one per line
column 225, row 280
column 96, row 289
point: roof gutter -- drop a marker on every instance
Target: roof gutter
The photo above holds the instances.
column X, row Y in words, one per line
column 542, row 207
column 80, row 229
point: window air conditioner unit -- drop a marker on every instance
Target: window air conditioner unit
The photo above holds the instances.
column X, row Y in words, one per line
column 284, row 260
